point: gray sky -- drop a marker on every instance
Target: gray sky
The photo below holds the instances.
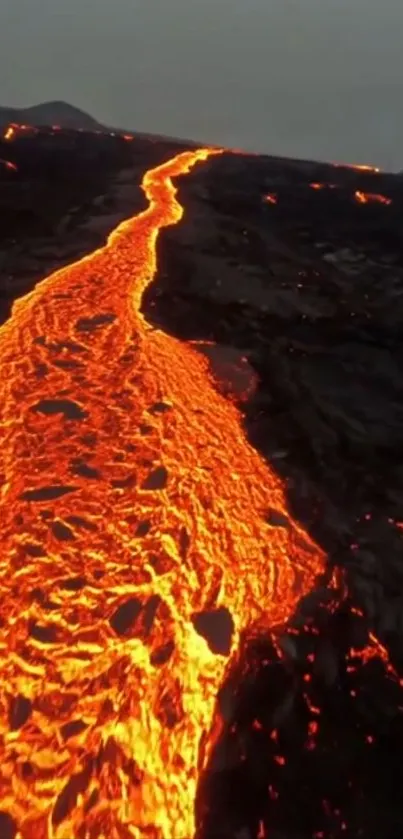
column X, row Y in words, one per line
column 316, row 78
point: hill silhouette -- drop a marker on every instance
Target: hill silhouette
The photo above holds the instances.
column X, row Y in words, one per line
column 49, row 113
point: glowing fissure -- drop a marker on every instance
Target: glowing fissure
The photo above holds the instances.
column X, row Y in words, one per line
column 15, row 129
column 361, row 197
column 359, row 167
column 141, row 533
column 368, row 197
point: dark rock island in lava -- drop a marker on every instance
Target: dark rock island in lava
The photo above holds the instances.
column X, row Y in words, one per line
column 201, row 489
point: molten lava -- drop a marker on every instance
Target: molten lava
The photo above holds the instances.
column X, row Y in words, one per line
column 9, row 133
column 141, row 534
column 361, row 197
column 359, row 167
column 366, row 197
column 271, row 198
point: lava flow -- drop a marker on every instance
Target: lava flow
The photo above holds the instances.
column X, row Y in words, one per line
column 9, row 133
column 359, row 167
column 367, row 197
column 141, row 534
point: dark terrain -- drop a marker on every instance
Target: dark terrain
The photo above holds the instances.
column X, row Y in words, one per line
column 49, row 113
column 310, row 289
column 63, row 115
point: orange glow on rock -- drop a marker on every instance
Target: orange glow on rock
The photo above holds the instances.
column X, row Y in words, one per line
column 136, row 547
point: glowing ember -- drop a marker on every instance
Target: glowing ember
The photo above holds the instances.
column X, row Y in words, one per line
column 375, row 650
column 366, row 197
column 9, row 133
column 141, row 533
column 13, row 129
column 9, row 165
column 271, row 198
column 319, row 186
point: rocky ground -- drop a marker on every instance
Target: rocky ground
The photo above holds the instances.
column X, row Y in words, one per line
column 309, row 286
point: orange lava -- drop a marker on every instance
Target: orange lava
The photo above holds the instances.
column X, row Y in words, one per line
column 131, row 504
column 359, row 167
column 366, row 197
column 375, row 649
column 9, row 133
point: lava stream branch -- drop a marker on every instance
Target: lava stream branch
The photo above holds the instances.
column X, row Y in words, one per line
column 141, row 535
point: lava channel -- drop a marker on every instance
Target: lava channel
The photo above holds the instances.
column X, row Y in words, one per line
column 141, row 535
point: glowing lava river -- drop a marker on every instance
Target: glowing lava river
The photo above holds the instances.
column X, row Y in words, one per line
column 136, row 547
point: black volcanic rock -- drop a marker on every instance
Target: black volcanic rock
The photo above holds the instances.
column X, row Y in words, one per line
column 50, row 113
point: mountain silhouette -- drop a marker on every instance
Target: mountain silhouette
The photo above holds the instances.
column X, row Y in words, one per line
column 49, row 113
